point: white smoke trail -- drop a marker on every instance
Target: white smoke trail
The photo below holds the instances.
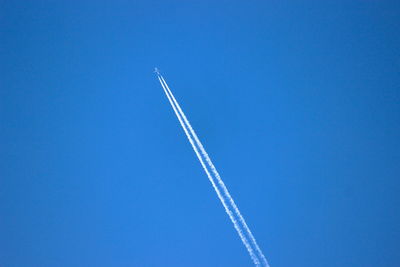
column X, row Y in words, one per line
column 219, row 179
column 228, row 211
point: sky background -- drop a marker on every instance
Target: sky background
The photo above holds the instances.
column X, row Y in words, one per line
column 297, row 103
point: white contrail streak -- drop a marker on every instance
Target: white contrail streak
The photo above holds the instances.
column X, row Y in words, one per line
column 186, row 125
column 216, row 174
column 228, row 211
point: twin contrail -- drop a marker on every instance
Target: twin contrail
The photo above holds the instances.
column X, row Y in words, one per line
column 222, row 192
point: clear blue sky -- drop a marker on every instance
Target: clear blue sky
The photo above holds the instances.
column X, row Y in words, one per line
column 297, row 102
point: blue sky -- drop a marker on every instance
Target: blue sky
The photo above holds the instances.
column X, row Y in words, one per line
column 297, row 102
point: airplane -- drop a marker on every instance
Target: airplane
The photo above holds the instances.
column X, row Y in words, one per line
column 156, row 71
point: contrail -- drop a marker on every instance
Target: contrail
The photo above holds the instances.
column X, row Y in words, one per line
column 186, row 125
column 228, row 211
column 216, row 174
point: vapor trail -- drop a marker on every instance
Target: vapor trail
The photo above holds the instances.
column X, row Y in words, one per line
column 228, row 211
column 221, row 184
column 218, row 177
